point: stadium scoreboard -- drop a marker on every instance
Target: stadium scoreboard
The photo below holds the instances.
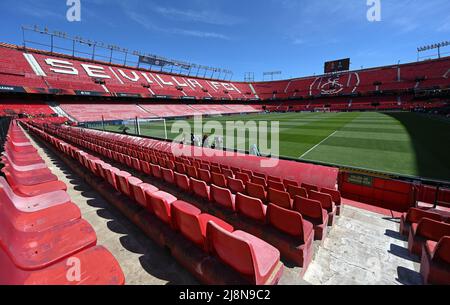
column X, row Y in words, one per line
column 337, row 65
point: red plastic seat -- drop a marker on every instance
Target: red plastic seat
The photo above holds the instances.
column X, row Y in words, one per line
column 200, row 188
column 191, row 172
column 156, row 171
column 23, row 168
column 192, row 224
column 160, row 205
column 168, row 175
column 259, row 180
column 145, row 167
column 99, row 267
column 250, row 207
column 279, row 198
column 327, row 204
column 254, row 259
column 204, row 175
column 37, row 189
column 228, row 173
column 180, row 168
column 236, row 185
column 435, row 262
column 182, row 181
column 122, row 181
column 256, row 191
column 311, row 210
column 219, row 179
column 38, row 250
column 242, row 176
column 216, row 169
column 310, row 187
column 414, row 215
column 276, row 185
column 222, row 197
column 426, row 229
column 288, row 182
column 29, row 178
column 141, row 191
column 289, row 222
column 336, row 196
column 297, row 191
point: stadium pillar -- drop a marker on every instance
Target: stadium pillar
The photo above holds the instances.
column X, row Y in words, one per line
column 103, row 123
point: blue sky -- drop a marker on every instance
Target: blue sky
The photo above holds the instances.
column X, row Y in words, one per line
column 294, row 36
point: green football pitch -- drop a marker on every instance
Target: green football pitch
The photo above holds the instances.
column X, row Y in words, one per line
column 397, row 143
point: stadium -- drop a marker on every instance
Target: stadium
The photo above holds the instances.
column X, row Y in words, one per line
column 123, row 168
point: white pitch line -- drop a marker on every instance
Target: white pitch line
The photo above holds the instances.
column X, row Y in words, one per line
column 301, row 157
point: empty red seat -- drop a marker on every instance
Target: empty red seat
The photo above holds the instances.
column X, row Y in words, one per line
column 168, row 175
column 37, row 189
column 327, row 204
column 311, row 210
column 297, row 191
column 336, row 196
column 227, row 173
column 156, row 171
column 204, row 175
column 279, row 198
column 290, row 222
column 426, row 229
column 29, row 178
column 145, row 167
column 414, row 215
column 253, row 258
column 259, row 180
column 99, row 267
column 243, row 177
column 160, row 205
column 276, row 185
column 141, row 192
column 288, row 182
column 216, row 169
column 236, row 185
column 256, row 191
column 123, row 186
column 180, row 168
column 191, row 171
column 205, row 166
column 38, row 250
column 223, row 197
column 219, row 180
column 251, row 207
column 192, row 224
column 182, row 181
column 200, row 188
column 435, row 262
column 310, row 187
column 249, row 173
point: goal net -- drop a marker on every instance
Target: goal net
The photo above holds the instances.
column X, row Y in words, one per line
column 156, row 128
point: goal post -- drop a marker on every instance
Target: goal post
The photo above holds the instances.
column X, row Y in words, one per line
column 156, row 127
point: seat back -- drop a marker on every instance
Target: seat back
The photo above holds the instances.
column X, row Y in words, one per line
column 182, row 182
column 200, row 188
column 256, row 191
column 244, row 177
column 156, row 171
column 161, row 202
column 250, row 207
column 204, row 175
column 259, row 180
column 415, row 215
column 310, row 187
column 432, row 229
column 324, row 199
column 191, row 171
column 287, row 221
column 297, row 191
column 219, row 179
column 168, row 175
column 222, row 196
column 185, row 220
column 231, row 249
column 442, row 252
column 276, row 185
column 335, row 194
column 308, row 207
column 279, row 198
column 180, row 167
column 236, row 185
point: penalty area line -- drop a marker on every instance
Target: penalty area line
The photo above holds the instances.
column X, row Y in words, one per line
column 318, row 144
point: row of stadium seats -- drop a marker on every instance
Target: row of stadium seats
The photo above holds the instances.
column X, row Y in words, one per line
column 43, row 239
column 208, row 182
column 255, row 260
column 428, row 232
column 95, row 112
column 22, row 108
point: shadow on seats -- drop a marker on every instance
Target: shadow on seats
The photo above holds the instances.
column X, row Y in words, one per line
column 403, row 253
column 395, row 234
column 408, row 277
column 154, row 260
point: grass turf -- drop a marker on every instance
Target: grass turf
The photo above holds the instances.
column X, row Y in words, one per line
column 399, row 143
